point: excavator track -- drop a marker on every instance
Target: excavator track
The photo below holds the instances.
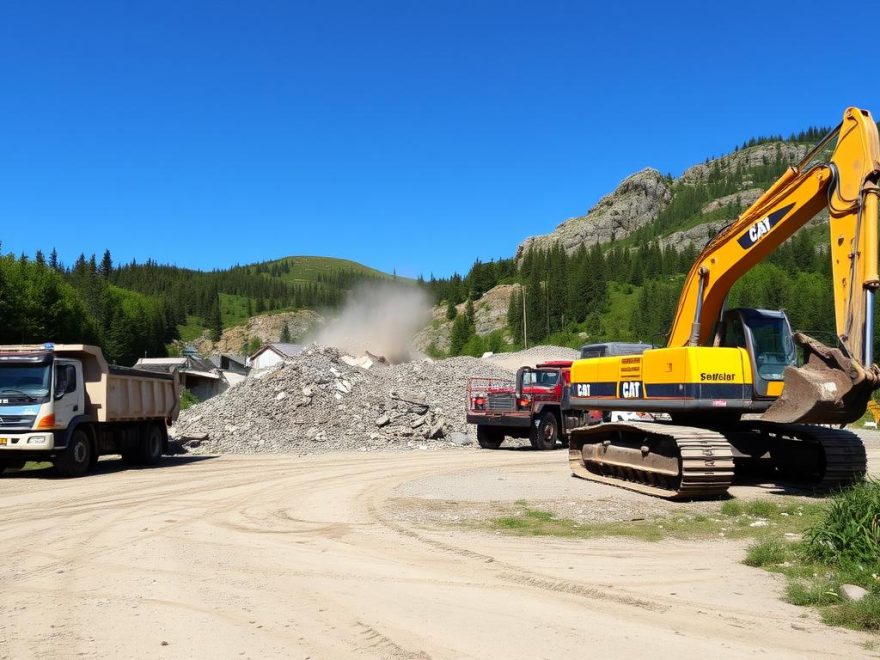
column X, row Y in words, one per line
column 663, row 460
column 814, row 456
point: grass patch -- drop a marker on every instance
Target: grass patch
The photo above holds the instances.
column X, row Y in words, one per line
column 192, row 329
column 759, row 520
column 817, row 546
column 767, row 552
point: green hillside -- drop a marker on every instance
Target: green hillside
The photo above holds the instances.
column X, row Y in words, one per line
column 315, row 269
column 139, row 309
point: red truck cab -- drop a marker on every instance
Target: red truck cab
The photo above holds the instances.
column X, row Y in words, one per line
column 533, row 406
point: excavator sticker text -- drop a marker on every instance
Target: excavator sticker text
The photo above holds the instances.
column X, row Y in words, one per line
column 631, row 389
column 762, row 227
column 704, row 377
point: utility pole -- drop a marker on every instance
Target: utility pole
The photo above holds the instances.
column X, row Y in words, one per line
column 525, row 325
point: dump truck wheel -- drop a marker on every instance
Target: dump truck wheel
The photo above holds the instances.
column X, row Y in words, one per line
column 545, row 434
column 76, row 460
column 489, row 438
column 151, row 446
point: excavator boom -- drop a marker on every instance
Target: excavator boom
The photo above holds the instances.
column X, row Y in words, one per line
column 835, row 384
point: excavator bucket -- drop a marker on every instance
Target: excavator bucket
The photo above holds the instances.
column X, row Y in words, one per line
column 829, row 389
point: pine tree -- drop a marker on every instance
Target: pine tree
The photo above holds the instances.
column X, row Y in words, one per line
column 461, row 332
column 106, row 265
column 514, row 315
column 285, row 334
column 451, row 311
column 215, row 320
column 53, row 259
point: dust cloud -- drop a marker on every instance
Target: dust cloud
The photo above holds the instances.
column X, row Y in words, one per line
column 379, row 318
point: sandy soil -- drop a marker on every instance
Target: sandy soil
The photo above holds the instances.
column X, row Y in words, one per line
column 279, row 556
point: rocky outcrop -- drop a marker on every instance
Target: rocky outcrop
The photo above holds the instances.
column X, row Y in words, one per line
column 490, row 315
column 635, row 203
column 743, row 198
column 265, row 328
column 698, row 236
column 756, row 156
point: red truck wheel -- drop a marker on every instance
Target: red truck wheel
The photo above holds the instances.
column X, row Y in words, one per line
column 545, row 433
column 489, row 438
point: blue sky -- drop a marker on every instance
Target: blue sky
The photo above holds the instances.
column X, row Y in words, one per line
column 415, row 136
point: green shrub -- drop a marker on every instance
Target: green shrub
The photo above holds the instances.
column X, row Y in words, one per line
column 850, row 531
column 187, row 399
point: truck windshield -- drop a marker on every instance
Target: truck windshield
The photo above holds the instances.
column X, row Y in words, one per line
column 24, row 382
column 541, row 378
column 774, row 348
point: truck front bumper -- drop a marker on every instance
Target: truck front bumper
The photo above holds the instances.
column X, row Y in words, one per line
column 521, row 420
column 27, row 441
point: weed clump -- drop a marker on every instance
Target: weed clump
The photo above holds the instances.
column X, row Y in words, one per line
column 850, row 531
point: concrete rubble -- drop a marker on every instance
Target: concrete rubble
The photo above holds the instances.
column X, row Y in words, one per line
column 323, row 400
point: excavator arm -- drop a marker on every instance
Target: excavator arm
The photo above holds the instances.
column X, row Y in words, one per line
column 834, row 385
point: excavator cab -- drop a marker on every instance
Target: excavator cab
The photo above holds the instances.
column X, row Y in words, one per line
column 766, row 335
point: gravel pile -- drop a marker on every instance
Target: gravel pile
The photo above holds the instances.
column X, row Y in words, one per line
column 317, row 402
column 532, row 356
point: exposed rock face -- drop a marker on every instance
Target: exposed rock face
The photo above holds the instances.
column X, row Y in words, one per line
column 640, row 197
column 490, row 314
column 266, row 328
column 745, row 198
column 635, row 202
column 746, row 158
column 699, row 236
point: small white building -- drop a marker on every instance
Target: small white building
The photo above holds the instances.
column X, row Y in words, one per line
column 271, row 354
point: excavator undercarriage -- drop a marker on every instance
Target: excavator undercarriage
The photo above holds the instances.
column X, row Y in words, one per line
column 685, row 462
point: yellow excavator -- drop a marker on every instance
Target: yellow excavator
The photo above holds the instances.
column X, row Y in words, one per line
column 728, row 379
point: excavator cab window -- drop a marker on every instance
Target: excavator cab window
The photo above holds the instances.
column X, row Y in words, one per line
column 734, row 334
column 766, row 335
column 774, row 348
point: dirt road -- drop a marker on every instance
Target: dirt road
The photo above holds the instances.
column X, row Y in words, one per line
column 279, row 556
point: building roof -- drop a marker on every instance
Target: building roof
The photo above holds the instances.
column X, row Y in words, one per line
column 169, row 364
column 284, row 350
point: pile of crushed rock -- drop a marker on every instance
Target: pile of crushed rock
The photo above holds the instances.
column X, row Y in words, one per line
column 323, row 400
column 532, row 356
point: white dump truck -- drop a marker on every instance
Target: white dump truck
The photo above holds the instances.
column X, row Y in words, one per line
column 64, row 403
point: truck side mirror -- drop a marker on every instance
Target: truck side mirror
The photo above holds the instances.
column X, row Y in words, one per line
column 520, row 374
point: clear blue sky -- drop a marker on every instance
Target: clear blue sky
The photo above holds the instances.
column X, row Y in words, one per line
column 409, row 135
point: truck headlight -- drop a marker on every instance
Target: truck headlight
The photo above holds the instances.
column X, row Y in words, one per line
column 38, row 440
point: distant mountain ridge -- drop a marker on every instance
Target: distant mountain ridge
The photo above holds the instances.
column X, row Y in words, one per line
column 697, row 204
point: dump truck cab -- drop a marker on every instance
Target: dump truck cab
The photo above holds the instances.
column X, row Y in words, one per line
column 66, row 405
column 40, row 394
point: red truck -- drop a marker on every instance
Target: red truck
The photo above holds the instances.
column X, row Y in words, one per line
column 534, row 406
